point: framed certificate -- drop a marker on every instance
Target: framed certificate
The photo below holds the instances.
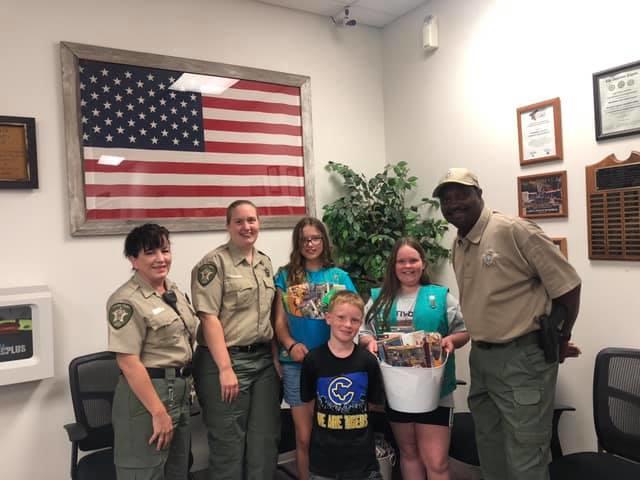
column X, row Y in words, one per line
column 18, row 164
column 543, row 195
column 616, row 101
column 540, row 132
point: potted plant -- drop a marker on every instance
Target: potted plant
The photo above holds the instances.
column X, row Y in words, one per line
column 372, row 214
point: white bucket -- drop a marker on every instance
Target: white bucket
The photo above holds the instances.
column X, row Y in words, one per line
column 412, row 389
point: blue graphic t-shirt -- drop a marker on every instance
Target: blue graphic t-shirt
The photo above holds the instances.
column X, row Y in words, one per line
column 306, row 303
column 341, row 439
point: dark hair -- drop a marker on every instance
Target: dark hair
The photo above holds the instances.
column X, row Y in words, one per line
column 145, row 237
column 296, row 266
column 236, row 203
column 391, row 284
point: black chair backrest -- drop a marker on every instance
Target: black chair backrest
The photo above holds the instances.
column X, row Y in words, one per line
column 93, row 380
column 616, row 401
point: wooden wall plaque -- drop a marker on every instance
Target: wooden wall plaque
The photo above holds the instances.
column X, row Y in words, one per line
column 613, row 208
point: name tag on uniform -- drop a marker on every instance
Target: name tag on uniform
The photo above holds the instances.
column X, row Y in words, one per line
column 157, row 310
column 234, row 276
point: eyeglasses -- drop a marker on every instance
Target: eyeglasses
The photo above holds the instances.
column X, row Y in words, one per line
column 314, row 240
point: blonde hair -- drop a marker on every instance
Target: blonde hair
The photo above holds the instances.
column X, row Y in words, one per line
column 345, row 296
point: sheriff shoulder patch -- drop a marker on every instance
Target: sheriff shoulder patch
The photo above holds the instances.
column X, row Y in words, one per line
column 120, row 314
column 206, row 273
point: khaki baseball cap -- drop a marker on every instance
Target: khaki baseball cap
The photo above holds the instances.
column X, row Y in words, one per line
column 463, row 176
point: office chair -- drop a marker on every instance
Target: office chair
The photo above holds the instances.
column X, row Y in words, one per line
column 92, row 379
column 616, row 413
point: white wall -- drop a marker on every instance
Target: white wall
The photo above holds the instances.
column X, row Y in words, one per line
column 36, row 248
column 453, row 107
column 456, row 107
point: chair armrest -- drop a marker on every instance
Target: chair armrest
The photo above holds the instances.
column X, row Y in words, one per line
column 558, row 410
column 76, row 432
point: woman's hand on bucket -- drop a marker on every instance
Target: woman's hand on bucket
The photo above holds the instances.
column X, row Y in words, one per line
column 447, row 345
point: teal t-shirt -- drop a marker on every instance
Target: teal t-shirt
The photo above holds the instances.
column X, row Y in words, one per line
column 306, row 303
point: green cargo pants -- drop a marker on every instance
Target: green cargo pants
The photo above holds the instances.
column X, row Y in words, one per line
column 511, row 399
column 134, row 458
column 243, row 435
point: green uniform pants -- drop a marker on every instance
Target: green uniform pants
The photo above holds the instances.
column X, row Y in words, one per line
column 511, row 399
column 134, row 458
column 243, row 435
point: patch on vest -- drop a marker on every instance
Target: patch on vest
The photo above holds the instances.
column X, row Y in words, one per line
column 120, row 314
column 206, row 274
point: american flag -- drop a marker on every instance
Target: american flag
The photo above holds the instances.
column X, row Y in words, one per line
column 186, row 154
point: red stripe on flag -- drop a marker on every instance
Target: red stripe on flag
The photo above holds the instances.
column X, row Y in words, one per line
column 191, row 191
column 253, row 148
column 267, row 87
column 250, row 106
column 148, row 213
column 134, row 166
column 256, row 127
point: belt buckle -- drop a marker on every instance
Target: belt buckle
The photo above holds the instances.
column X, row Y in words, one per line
column 252, row 347
column 185, row 371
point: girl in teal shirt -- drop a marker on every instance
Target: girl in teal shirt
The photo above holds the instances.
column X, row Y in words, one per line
column 304, row 287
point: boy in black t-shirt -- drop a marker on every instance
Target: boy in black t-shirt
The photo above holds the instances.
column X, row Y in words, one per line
column 342, row 378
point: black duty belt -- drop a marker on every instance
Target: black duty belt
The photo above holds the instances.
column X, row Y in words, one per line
column 526, row 339
column 181, row 372
column 254, row 347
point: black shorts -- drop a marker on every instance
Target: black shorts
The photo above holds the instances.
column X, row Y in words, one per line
column 440, row 416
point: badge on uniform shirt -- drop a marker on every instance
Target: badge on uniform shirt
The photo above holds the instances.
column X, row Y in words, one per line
column 120, row 314
column 489, row 257
column 206, row 274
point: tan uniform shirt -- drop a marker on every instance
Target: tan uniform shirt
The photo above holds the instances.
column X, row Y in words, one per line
column 141, row 323
column 224, row 284
column 508, row 271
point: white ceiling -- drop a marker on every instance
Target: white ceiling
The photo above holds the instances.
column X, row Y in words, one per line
column 376, row 13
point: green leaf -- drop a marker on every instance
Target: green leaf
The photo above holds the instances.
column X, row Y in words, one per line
column 372, row 214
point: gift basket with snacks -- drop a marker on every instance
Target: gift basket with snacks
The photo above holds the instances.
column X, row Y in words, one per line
column 412, row 366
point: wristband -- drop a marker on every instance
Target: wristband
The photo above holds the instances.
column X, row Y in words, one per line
column 291, row 347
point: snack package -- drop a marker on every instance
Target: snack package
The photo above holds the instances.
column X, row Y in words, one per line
column 414, row 338
column 413, row 349
column 405, row 356
column 433, row 349
column 387, row 339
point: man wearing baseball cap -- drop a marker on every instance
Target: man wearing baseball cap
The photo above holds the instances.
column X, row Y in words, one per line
column 511, row 280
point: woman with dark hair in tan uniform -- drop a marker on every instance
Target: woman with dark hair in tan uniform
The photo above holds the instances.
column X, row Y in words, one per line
column 151, row 330
column 237, row 384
